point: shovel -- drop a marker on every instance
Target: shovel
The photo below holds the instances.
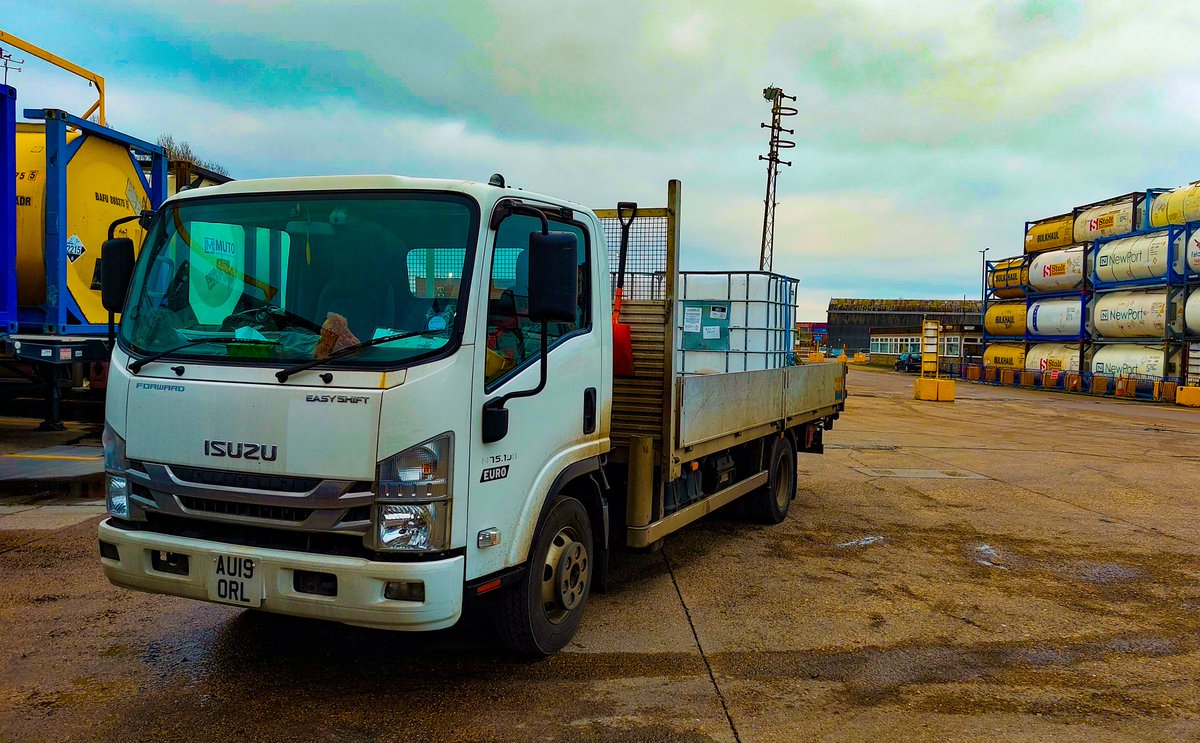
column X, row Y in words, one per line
column 622, row 340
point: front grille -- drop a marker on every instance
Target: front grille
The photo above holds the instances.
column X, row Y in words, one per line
column 257, row 536
column 261, row 536
column 245, row 480
column 252, row 510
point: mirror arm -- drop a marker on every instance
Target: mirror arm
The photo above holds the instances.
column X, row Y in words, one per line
column 495, row 406
column 507, row 208
column 112, row 228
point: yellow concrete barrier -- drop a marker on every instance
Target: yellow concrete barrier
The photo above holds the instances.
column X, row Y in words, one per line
column 816, row 358
column 933, row 390
column 1188, row 396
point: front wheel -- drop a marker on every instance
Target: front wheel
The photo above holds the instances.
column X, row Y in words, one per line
column 539, row 616
column 769, row 504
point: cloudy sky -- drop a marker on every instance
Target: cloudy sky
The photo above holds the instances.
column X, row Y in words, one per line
column 927, row 130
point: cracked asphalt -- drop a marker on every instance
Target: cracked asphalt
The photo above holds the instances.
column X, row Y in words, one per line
column 1011, row 566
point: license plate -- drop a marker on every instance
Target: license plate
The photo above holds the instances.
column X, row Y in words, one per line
column 235, row 580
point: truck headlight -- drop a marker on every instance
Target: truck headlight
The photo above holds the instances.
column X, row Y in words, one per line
column 412, row 497
column 116, row 484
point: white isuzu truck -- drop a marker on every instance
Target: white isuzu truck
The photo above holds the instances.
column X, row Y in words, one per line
column 379, row 399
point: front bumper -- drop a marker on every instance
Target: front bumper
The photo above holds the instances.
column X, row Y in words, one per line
column 360, row 582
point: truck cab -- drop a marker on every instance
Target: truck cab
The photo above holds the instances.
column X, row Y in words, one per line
column 372, row 399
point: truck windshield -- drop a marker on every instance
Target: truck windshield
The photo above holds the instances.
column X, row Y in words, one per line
column 304, row 274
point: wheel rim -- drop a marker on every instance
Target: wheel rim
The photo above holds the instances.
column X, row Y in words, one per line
column 564, row 575
column 783, row 481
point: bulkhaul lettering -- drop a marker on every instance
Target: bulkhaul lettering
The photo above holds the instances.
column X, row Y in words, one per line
column 240, row 450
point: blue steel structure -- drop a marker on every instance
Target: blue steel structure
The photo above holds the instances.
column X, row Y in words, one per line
column 1176, row 282
column 60, row 315
column 52, row 337
column 8, row 200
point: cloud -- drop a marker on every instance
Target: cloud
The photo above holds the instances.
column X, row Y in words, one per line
column 926, row 130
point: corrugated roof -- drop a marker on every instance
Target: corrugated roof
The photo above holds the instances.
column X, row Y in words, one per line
column 904, row 305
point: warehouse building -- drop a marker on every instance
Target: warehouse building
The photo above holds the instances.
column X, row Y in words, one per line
column 959, row 343
column 850, row 320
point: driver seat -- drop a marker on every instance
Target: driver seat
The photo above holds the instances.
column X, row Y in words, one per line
column 359, row 290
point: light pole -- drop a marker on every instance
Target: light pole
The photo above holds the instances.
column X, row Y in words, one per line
column 982, row 298
column 983, row 275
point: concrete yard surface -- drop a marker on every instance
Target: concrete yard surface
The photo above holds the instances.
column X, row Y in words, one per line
column 1010, row 566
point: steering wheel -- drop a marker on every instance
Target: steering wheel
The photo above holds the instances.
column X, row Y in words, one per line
column 268, row 317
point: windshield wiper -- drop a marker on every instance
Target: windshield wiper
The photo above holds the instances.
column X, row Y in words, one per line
column 136, row 365
column 283, row 374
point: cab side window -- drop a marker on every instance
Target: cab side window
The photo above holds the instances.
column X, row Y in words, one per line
column 513, row 340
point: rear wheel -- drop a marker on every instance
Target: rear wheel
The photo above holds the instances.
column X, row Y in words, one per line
column 769, row 504
column 539, row 616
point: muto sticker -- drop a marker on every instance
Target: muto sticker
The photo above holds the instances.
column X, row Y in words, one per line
column 75, row 248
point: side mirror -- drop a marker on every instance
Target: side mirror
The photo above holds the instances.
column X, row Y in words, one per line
column 553, row 277
column 116, row 269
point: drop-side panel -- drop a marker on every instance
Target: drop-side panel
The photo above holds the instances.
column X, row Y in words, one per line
column 809, row 389
column 716, row 405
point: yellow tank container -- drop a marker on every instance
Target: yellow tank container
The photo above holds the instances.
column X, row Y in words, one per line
column 1050, row 233
column 1004, row 356
column 1008, row 278
column 103, row 184
column 1005, row 318
column 1177, row 206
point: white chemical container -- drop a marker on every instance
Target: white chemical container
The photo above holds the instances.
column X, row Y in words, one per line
column 1052, row 357
column 1055, row 317
column 1057, row 270
column 1135, row 258
column 741, row 321
column 1131, row 314
column 1191, row 313
column 1128, row 359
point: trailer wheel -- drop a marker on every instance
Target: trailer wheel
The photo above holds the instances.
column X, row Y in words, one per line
column 769, row 504
column 539, row 616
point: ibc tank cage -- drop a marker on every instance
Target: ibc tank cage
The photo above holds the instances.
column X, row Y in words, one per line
column 60, row 312
column 732, row 321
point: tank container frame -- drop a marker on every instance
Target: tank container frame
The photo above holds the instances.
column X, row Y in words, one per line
column 60, row 315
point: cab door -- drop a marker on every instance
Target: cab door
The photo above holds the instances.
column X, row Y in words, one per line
column 547, row 431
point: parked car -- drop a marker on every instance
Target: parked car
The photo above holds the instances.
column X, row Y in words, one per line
column 908, row 362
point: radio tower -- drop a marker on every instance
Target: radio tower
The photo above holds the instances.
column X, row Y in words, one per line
column 776, row 96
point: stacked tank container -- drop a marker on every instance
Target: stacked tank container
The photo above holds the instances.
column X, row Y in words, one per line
column 1107, row 293
column 1004, row 314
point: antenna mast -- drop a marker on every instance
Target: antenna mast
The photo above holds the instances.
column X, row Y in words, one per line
column 776, row 96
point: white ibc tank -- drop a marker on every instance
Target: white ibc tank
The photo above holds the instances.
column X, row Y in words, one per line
column 1191, row 313
column 1133, row 258
column 1130, row 314
column 1057, row 270
column 1050, row 317
column 761, row 320
column 1128, row 359
column 1052, row 357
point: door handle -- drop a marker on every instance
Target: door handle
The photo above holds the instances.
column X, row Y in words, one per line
column 589, row 410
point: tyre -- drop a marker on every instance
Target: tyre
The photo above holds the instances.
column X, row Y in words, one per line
column 769, row 504
column 539, row 616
